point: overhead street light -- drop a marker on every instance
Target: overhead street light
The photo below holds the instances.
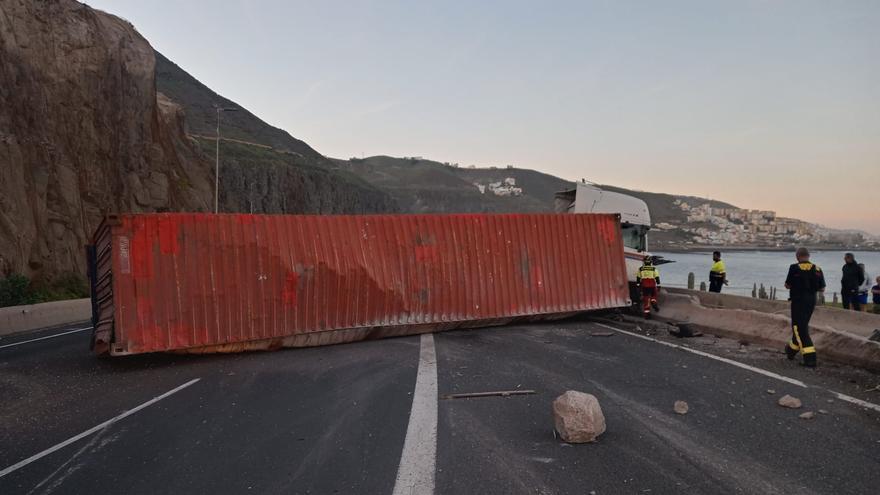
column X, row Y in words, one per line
column 217, row 158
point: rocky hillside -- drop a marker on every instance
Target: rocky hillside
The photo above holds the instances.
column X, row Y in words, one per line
column 199, row 103
column 84, row 132
column 264, row 169
column 426, row 186
column 420, row 185
column 679, row 222
column 256, row 179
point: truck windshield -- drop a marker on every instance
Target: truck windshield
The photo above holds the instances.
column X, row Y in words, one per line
column 633, row 236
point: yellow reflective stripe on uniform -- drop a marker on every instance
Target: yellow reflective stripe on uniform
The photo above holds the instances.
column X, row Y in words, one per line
column 793, row 346
column 797, row 337
column 808, row 350
column 806, row 266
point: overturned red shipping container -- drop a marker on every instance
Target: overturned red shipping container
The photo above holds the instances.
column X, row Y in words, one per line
column 225, row 283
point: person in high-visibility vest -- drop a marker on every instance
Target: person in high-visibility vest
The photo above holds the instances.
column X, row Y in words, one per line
column 648, row 280
column 804, row 280
column 717, row 274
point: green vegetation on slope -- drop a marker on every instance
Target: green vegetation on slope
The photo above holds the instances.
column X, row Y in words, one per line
column 16, row 290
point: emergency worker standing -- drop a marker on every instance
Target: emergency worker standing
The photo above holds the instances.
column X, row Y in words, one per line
column 804, row 280
column 853, row 278
column 648, row 280
column 717, row 274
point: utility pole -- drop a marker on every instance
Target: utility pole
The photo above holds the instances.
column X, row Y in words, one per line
column 217, row 158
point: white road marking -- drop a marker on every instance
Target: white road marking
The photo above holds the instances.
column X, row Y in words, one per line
column 20, row 464
column 843, row 397
column 69, row 467
column 415, row 475
column 858, row 402
column 712, row 356
column 47, row 337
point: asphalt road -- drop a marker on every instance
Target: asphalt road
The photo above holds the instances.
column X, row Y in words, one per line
column 334, row 419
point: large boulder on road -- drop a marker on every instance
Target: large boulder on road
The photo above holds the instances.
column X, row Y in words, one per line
column 578, row 417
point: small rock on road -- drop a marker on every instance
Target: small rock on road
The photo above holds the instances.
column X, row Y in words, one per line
column 680, row 407
column 790, row 402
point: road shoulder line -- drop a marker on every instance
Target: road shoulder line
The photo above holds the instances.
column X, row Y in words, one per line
column 46, row 337
column 853, row 400
column 847, row 398
column 710, row 356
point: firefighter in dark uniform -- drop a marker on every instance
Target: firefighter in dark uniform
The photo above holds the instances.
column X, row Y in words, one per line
column 648, row 280
column 804, row 280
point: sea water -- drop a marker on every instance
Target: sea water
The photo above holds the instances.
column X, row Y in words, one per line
column 746, row 268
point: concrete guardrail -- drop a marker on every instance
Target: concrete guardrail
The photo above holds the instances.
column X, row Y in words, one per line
column 839, row 335
column 16, row 319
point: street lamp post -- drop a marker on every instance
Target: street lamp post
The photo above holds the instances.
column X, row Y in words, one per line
column 217, row 159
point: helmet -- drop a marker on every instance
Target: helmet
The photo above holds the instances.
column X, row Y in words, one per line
column 648, row 259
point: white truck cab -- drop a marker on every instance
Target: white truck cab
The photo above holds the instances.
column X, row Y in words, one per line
column 635, row 219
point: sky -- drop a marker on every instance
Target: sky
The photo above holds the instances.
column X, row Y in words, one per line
column 763, row 104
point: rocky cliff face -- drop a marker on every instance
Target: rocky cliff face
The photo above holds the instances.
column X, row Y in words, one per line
column 84, row 132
